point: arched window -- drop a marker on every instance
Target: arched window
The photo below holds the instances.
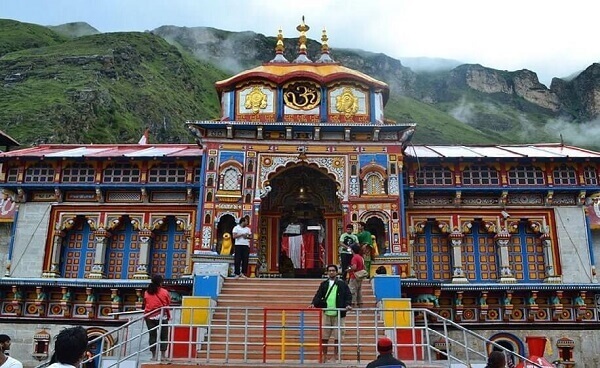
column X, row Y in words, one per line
column 434, row 175
column 211, row 164
column 526, row 254
column 249, row 183
column 209, row 197
column 590, row 175
column 526, row 175
column 169, row 172
column 169, row 249
column 373, row 184
column 230, row 179
column 479, row 257
column 210, row 182
column 123, row 252
column 480, row 175
column 39, row 173
column 78, row 173
column 77, row 251
column 564, row 175
column 248, row 198
column 122, row 173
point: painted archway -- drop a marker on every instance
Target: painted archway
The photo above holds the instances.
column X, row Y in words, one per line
column 300, row 216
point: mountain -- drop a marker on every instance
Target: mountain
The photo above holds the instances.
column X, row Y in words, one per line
column 112, row 86
column 74, row 30
column 105, row 88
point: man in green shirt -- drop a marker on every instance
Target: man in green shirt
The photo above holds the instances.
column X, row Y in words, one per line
column 335, row 298
column 346, row 241
column 366, row 245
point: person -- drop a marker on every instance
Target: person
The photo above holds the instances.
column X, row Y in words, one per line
column 357, row 263
column 70, row 348
column 365, row 240
column 497, row 359
column 241, row 238
column 345, row 250
column 386, row 358
column 5, row 360
column 336, row 295
column 155, row 298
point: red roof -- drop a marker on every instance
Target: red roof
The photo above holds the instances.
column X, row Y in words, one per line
column 107, row 150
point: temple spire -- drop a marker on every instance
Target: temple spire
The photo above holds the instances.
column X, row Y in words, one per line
column 279, row 58
column 302, row 57
column 325, row 57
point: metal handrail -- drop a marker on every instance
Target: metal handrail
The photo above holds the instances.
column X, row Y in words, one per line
column 128, row 346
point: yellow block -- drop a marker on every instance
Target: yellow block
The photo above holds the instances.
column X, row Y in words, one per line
column 198, row 316
column 401, row 318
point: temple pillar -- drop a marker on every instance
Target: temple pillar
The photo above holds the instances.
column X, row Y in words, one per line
column 57, row 243
column 141, row 272
column 506, row 273
column 551, row 276
column 458, row 274
column 101, row 239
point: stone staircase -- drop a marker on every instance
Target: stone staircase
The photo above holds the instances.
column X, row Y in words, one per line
column 233, row 341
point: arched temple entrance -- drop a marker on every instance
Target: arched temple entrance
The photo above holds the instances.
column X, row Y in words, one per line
column 300, row 218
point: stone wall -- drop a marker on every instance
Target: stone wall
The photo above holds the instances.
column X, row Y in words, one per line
column 30, row 240
column 5, row 232
column 573, row 243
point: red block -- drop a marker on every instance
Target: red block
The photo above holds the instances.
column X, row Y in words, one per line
column 409, row 347
column 184, row 342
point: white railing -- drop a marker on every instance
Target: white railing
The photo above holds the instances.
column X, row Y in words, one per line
column 254, row 335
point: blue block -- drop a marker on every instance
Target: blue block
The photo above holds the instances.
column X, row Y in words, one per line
column 207, row 285
column 386, row 286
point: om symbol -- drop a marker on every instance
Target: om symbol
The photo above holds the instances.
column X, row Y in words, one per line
column 302, row 96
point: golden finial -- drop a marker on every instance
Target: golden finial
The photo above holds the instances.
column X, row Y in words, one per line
column 324, row 39
column 279, row 47
column 302, row 28
column 279, row 58
column 325, row 58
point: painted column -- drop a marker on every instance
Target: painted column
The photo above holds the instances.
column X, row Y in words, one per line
column 57, row 241
column 458, row 274
column 141, row 272
column 502, row 239
column 101, row 240
column 551, row 276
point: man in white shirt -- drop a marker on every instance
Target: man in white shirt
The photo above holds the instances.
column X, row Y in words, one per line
column 5, row 360
column 241, row 238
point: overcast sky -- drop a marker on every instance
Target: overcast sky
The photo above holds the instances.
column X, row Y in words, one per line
column 553, row 38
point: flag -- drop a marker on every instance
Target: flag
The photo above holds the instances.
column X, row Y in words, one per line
column 144, row 138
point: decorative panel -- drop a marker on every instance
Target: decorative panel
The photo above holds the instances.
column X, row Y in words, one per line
column 169, row 250
column 77, row 251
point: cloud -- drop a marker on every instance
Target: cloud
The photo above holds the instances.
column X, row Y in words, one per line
column 578, row 134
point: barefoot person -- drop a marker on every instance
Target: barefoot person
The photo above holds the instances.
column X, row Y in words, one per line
column 241, row 239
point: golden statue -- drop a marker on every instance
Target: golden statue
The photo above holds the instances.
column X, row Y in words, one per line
column 374, row 246
column 226, row 245
column 347, row 103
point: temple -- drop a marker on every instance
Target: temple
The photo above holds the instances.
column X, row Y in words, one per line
column 499, row 235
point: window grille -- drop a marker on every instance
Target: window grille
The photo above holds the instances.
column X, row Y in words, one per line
column 590, row 175
column 230, row 179
column 167, row 173
column 40, row 173
column 480, row 175
column 122, row 173
column 373, row 184
column 78, row 173
column 526, row 175
column 12, row 175
column 434, row 175
column 564, row 175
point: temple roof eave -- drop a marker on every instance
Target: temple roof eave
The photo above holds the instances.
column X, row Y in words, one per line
column 280, row 73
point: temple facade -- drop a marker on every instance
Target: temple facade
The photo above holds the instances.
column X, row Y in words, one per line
column 500, row 236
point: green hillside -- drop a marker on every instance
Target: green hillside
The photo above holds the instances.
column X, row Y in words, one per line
column 105, row 88
column 16, row 36
column 74, row 29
